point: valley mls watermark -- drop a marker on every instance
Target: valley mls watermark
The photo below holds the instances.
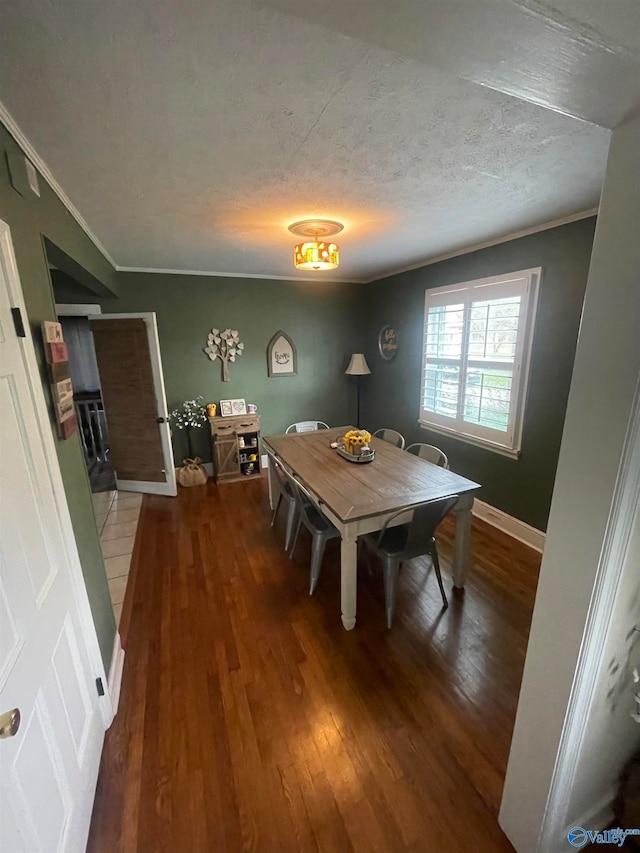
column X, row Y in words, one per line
column 578, row 836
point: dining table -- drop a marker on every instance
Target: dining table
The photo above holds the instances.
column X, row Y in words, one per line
column 360, row 497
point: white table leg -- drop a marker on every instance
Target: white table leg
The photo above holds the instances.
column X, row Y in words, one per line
column 348, row 579
column 462, row 547
column 273, row 490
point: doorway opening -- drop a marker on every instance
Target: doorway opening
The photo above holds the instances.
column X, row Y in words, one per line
column 87, row 393
column 75, row 293
column 115, row 368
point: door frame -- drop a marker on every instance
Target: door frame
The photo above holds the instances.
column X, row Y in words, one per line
column 170, row 487
column 65, row 309
column 107, row 703
column 591, row 664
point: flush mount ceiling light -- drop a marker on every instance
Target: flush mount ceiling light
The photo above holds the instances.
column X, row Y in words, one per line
column 318, row 253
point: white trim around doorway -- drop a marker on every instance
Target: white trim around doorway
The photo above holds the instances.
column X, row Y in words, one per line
column 168, row 488
column 622, row 521
column 66, row 309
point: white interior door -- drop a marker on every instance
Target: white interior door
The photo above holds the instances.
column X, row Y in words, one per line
column 130, row 366
column 49, row 656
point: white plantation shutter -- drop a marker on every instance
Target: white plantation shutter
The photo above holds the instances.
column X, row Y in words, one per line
column 477, row 341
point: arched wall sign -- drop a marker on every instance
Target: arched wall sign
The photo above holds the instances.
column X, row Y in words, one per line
column 282, row 359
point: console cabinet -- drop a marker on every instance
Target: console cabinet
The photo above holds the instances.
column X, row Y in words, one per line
column 236, row 447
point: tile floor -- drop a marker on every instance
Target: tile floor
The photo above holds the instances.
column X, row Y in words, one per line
column 117, row 519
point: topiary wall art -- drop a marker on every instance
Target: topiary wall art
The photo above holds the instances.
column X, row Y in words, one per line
column 224, row 345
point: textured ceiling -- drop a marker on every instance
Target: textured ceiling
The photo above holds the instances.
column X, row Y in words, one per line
column 189, row 135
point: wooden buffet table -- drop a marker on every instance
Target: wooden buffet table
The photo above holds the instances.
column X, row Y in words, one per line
column 358, row 498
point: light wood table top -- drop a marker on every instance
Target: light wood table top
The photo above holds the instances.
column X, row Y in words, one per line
column 353, row 491
column 359, row 497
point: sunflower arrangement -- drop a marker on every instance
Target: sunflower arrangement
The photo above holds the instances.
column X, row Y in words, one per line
column 356, row 441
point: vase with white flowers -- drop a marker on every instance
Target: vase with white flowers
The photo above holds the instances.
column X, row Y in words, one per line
column 224, row 345
column 191, row 415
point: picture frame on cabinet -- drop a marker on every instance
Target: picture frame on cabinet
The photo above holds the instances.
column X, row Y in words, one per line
column 233, row 407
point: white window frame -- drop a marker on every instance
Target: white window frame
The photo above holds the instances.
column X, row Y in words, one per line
column 524, row 282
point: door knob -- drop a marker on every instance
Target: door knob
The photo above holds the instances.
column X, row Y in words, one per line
column 9, row 723
column 160, row 421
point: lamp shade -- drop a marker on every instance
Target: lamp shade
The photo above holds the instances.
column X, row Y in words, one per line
column 316, row 256
column 358, row 365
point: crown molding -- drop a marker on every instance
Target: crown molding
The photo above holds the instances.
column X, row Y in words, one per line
column 476, row 247
column 21, row 139
column 240, row 275
column 435, row 259
column 14, row 129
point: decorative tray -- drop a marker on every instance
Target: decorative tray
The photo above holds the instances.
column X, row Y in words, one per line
column 367, row 456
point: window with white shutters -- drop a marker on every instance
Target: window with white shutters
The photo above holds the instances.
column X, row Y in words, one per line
column 475, row 361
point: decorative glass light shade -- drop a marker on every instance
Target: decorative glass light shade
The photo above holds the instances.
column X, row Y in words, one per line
column 316, row 256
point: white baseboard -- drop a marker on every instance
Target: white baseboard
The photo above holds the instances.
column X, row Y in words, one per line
column 508, row 524
column 115, row 673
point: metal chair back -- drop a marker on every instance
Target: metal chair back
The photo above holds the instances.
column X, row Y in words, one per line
column 310, row 513
column 317, row 524
column 422, row 527
column 391, row 436
column 397, row 543
column 285, row 492
column 306, row 426
column 429, row 452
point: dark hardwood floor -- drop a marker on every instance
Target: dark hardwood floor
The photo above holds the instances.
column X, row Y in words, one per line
column 250, row 720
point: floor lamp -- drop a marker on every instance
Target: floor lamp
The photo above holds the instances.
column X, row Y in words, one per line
column 358, row 367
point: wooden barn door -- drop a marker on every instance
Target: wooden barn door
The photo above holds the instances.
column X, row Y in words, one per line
column 128, row 355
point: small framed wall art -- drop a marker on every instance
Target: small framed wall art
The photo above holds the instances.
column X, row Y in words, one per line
column 61, row 388
column 388, row 343
column 232, row 407
column 282, row 358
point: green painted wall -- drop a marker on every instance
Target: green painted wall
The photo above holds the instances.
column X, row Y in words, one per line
column 521, row 487
column 30, row 219
column 327, row 323
column 318, row 317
